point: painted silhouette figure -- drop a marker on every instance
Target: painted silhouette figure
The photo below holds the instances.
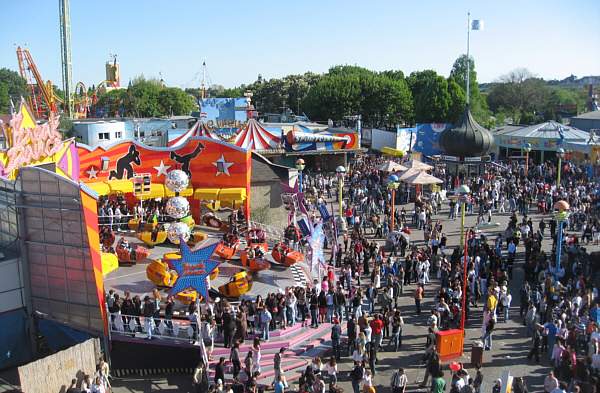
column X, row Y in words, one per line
column 124, row 164
column 186, row 159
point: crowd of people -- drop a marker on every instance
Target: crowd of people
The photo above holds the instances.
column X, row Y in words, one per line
column 365, row 281
column 99, row 382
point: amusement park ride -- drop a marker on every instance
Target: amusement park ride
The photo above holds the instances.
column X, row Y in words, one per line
column 42, row 99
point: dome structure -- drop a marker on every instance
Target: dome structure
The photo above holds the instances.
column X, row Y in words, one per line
column 466, row 138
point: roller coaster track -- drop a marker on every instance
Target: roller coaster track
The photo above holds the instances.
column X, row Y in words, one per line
column 29, row 72
column 28, row 68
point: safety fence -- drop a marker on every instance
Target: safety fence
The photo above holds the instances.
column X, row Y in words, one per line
column 271, row 233
column 149, row 327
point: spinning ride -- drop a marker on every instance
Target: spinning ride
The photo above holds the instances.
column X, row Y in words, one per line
column 131, row 254
column 239, row 284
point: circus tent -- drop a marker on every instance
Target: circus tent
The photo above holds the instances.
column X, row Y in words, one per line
column 199, row 129
column 255, row 137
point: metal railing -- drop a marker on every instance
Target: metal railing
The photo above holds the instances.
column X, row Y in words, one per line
column 144, row 327
column 271, row 233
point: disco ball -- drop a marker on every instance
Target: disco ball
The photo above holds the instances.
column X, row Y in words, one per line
column 177, row 230
column 178, row 207
column 177, row 180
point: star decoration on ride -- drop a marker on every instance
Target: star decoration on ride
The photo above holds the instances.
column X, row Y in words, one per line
column 316, row 241
column 93, row 172
column 193, row 269
column 222, row 166
column 299, row 195
column 162, row 169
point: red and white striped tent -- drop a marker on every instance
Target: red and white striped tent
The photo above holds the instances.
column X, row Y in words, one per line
column 256, row 137
column 199, row 129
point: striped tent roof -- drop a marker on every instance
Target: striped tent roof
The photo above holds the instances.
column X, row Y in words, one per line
column 255, row 137
column 199, row 129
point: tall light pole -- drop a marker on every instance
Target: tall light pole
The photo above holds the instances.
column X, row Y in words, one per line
column 300, row 165
column 561, row 213
column 393, row 185
column 340, row 171
column 560, row 153
column 527, row 149
column 463, row 197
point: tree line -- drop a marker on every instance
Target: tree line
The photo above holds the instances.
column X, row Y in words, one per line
column 383, row 99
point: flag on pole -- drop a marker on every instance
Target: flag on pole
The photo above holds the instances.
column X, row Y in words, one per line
column 476, row 24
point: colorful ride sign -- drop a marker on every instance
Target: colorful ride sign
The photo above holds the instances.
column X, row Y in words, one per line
column 193, row 269
column 29, row 143
column 316, row 242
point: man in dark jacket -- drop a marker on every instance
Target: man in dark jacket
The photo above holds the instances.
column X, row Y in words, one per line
column 433, row 366
column 220, row 371
column 351, row 331
column 149, row 310
column 228, row 328
column 339, row 301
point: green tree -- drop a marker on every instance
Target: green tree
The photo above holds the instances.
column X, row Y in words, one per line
column 66, row 127
column 386, row 102
column 141, row 99
column 333, row 97
column 13, row 81
column 440, row 100
column 383, row 99
column 519, row 92
column 458, row 99
column 477, row 104
column 172, row 100
column 111, row 102
column 4, row 101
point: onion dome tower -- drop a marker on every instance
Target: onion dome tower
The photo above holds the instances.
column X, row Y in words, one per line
column 466, row 138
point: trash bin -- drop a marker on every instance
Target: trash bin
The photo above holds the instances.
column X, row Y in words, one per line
column 476, row 353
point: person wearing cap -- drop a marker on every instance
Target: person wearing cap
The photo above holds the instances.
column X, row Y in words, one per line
column 336, row 335
column 497, row 386
column 219, row 384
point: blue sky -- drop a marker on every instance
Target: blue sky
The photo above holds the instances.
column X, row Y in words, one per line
column 241, row 39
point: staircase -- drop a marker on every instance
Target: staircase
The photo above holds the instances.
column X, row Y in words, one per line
column 302, row 343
